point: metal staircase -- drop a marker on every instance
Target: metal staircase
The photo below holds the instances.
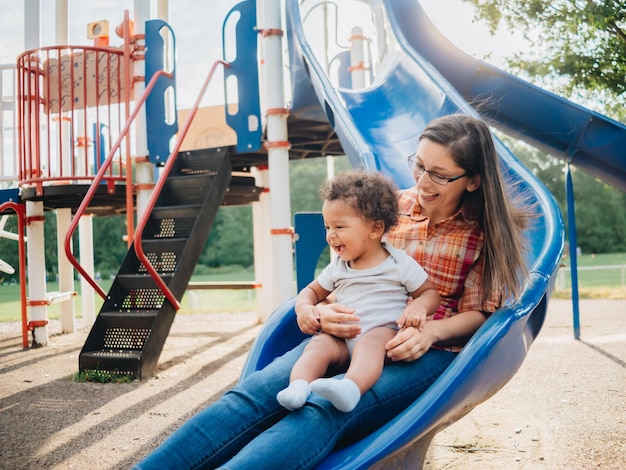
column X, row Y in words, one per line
column 129, row 333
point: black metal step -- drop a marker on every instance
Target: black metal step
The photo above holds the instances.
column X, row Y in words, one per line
column 171, row 222
column 163, row 253
column 141, row 281
column 241, row 191
column 187, row 211
column 120, row 334
column 113, row 362
column 185, row 190
column 136, row 317
column 142, row 317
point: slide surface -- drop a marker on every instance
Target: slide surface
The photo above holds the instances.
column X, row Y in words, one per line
column 378, row 128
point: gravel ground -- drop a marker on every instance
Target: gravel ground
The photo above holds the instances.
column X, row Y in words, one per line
column 564, row 409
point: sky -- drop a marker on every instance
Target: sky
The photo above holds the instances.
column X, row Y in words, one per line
column 197, row 27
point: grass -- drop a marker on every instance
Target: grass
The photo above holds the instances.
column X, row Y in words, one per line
column 101, row 376
column 605, row 283
column 594, row 260
column 593, row 284
column 197, row 301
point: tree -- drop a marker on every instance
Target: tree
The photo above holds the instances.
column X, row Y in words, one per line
column 231, row 239
column 109, row 246
column 580, row 44
column 598, row 231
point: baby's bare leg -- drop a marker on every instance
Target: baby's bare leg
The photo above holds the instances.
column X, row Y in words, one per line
column 366, row 365
column 322, row 351
column 368, row 357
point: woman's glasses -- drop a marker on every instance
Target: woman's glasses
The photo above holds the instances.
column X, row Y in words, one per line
column 436, row 178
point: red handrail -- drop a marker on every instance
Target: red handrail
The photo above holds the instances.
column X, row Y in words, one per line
column 99, row 177
column 159, row 186
column 20, row 211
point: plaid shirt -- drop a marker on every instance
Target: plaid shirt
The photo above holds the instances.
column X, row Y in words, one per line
column 449, row 251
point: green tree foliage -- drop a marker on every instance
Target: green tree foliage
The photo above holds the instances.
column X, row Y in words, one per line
column 8, row 250
column 580, row 44
column 598, row 231
column 600, row 215
column 230, row 240
column 306, row 178
column 109, row 247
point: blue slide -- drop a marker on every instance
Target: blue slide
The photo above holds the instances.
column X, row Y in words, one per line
column 378, row 128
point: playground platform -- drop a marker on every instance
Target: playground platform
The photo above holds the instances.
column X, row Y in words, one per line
column 564, row 409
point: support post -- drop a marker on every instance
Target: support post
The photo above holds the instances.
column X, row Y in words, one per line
column 357, row 58
column 571, row 230
column 262, row 239
column 85, row 243
column 144, row 170
column 66, row 271
column 282, row 287
column 37, row 273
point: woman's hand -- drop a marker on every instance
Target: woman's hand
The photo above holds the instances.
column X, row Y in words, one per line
column 338, row 320
column 409, row 343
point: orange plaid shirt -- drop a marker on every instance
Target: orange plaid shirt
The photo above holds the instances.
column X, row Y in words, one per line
column 449, row 251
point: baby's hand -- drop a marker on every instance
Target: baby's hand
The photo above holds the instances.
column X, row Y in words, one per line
column 414, row 315
column 308, row 319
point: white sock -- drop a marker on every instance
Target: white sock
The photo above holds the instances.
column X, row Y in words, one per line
column 294, row 396
column 344, row 394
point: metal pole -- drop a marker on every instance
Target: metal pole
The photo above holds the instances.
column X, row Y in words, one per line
column 64, row 215
column 571, row 226
column 278, row 155
column 35, row 249
column 144, row 170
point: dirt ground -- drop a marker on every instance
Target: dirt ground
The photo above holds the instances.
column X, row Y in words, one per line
column 564, row 409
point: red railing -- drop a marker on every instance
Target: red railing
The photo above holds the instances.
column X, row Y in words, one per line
column 71, row 101
column 155, row 193
column 20, row 211
column 98, row 179
column 159, row 186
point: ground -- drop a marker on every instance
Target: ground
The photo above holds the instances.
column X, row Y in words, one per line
column 564, row 409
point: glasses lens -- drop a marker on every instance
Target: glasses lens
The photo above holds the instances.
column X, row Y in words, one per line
column 417, row 169
column 438, row 179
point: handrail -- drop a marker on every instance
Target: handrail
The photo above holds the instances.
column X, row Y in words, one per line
column 20, row 211
column 99, row 177
column 159, row 186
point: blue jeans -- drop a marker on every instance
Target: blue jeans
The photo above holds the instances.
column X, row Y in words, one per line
column 248, row 429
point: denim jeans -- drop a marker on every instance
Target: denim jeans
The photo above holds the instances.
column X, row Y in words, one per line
column 248, row 429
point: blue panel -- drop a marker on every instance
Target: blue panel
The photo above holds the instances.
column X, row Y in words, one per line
column 246, row 120
column 309, row 245
column 99, row 147
column 159, row 132
column 9, row 195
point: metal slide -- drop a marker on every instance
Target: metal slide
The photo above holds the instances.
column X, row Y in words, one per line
column 378, row 128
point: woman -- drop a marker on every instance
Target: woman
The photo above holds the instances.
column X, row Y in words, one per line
column 459, row 223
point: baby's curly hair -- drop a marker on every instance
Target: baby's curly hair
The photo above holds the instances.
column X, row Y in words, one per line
column 372, row 195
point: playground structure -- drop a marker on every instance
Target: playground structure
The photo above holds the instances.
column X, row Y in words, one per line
column 373, row 114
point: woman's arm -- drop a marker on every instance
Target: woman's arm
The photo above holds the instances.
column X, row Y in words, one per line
column 410, row 343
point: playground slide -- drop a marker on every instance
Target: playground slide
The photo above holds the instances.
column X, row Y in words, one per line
column 378, row 128
column 588, row 140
